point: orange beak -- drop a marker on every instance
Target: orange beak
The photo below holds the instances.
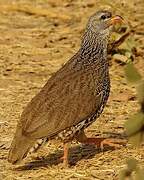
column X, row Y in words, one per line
column 114, row 20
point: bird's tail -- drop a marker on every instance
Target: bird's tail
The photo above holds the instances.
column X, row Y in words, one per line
column 20, row 146
column 38, row 144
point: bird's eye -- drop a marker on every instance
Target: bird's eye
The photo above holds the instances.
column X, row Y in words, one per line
column 103, row 17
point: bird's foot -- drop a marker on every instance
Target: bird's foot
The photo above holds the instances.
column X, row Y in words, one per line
column 115, row 143
column 65, row 161
column 100, row 142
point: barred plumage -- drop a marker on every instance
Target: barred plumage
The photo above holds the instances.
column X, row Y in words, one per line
column 72, row 98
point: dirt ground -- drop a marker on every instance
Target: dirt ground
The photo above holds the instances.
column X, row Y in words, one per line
column 36, row 38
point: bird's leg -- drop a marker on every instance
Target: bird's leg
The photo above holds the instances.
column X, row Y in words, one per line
column 100, row 142
column 115, row 143
column 66, row 153
column 65, row 156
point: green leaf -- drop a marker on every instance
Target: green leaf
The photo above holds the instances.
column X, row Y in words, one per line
column 132, row 164
column 136, row 139
column 131, row 43
column 123, row 174
column 139, row 174
column 140, row 92
column 134, row 124
column 128, row 44
column 132, row 74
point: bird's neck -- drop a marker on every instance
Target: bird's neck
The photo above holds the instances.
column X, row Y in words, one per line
column 94, row 47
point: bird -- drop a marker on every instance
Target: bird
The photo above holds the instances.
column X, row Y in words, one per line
column 72, row 98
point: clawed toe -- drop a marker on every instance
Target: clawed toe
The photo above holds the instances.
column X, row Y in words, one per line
column 115, row 143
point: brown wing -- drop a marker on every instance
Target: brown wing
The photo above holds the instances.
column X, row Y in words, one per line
column 67, row 98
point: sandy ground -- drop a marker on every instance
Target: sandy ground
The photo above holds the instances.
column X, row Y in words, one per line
column 36, row 38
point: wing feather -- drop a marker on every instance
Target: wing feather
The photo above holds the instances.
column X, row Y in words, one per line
column 67, row 98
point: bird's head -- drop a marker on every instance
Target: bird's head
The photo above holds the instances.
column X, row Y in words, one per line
column 102, row 21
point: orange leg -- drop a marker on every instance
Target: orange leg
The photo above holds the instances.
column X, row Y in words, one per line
column 66, row 153
column 116, row 143
column 100, row 142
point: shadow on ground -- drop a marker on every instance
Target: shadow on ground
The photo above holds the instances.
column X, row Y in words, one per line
column 77, row 153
